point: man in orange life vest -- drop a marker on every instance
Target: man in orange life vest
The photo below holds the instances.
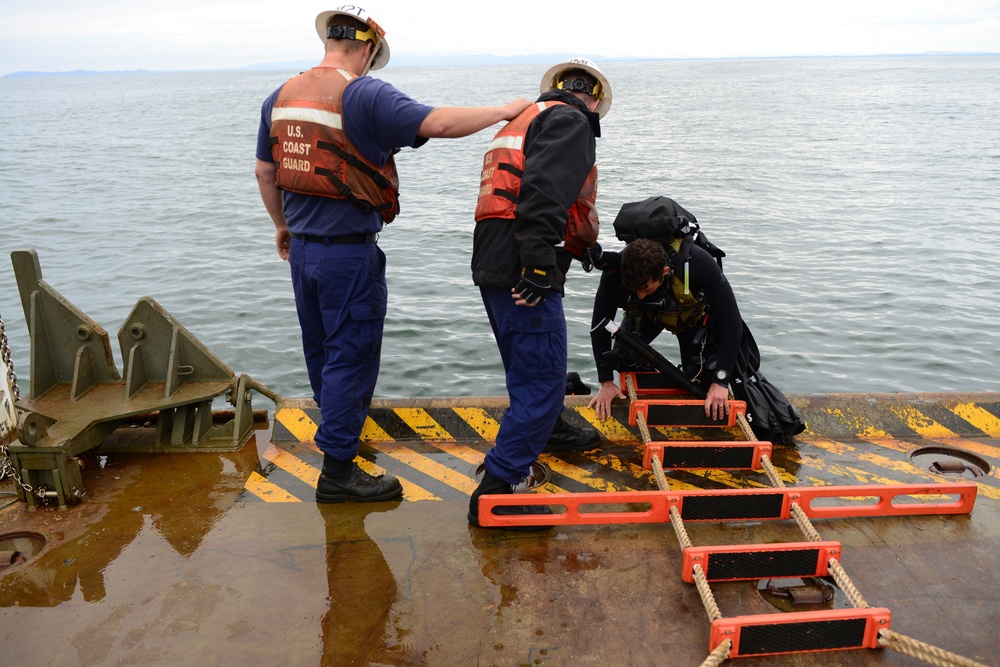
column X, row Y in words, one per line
column 327, row 177
column 536, row 212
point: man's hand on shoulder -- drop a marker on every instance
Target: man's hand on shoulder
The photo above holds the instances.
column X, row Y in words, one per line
column 514, row 109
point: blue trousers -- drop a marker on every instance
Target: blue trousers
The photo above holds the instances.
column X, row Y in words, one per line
column 340, row 296
column 532, row 342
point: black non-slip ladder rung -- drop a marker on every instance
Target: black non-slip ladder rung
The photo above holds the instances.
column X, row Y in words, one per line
column 800, row 632
column 687, row 413
column 720, row 507
column 760, row 561
column 652, row 384
column 723, row 454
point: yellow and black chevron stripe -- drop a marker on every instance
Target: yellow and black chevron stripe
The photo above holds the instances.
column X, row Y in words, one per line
column 435, row 448
column 434, row 452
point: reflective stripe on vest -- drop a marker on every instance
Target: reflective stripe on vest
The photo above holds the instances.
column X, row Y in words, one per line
column 318, row 116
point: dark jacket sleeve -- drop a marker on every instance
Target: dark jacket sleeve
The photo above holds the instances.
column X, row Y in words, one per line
column 561, row 151
column 727, row 324
column 606, row 303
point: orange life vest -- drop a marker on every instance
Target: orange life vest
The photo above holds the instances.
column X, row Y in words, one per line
column 500, row 185
column 312, row 153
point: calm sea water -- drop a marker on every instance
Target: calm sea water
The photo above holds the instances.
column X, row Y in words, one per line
column 858, row 201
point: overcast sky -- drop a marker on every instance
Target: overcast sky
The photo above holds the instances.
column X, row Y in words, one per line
column 62, row 35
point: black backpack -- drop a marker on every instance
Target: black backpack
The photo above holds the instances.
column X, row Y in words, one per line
column 663, row 220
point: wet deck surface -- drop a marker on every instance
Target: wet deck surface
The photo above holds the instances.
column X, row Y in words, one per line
column 226, row 559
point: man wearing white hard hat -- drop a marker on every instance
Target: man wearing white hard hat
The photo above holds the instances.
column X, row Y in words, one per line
column 536, row 213
column 327, row 178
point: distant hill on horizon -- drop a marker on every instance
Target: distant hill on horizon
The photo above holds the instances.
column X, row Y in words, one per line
column 397, row 61
column 467, row 61
column 446, row 61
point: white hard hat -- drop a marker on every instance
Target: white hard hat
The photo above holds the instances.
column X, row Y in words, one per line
column 551, row 81
column 377, row 33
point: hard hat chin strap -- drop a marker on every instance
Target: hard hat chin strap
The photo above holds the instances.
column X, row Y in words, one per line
column 371, row 60
column 365, row 69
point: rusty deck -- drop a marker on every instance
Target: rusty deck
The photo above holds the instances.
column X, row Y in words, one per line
column 224, row 558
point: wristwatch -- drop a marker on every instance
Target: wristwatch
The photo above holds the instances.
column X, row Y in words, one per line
column 721, row 377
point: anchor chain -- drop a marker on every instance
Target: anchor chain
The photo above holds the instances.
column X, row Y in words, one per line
column 7, row 468
column 8, row 364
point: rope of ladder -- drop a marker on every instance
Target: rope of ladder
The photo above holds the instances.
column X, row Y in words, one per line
column 719, row 655
column 661, row 479
column 700, row 580
column 918, row 649
column 772, row 472
column 846, row 585
column 639, row 418
column 707, row 598
column 805, row 525
column 741, row 419
column 630, row 387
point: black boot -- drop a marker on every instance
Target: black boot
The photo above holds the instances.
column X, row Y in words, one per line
column 575, row 386
column 492, row 485
column 570, row 438
column 344, row 480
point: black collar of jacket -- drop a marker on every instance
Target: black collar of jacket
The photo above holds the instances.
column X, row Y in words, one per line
column 570, row 98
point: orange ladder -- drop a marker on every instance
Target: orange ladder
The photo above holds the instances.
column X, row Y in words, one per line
column 755, row 635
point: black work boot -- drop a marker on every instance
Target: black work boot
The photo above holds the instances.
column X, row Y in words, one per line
column 492, row 485
column 344, row 480
column 570, row 438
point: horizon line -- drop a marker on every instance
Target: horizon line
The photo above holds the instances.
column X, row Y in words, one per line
column 485, row 59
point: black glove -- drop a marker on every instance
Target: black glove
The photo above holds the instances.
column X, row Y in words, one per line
column 534, row 285
column 604, row 261
column 591, row 257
